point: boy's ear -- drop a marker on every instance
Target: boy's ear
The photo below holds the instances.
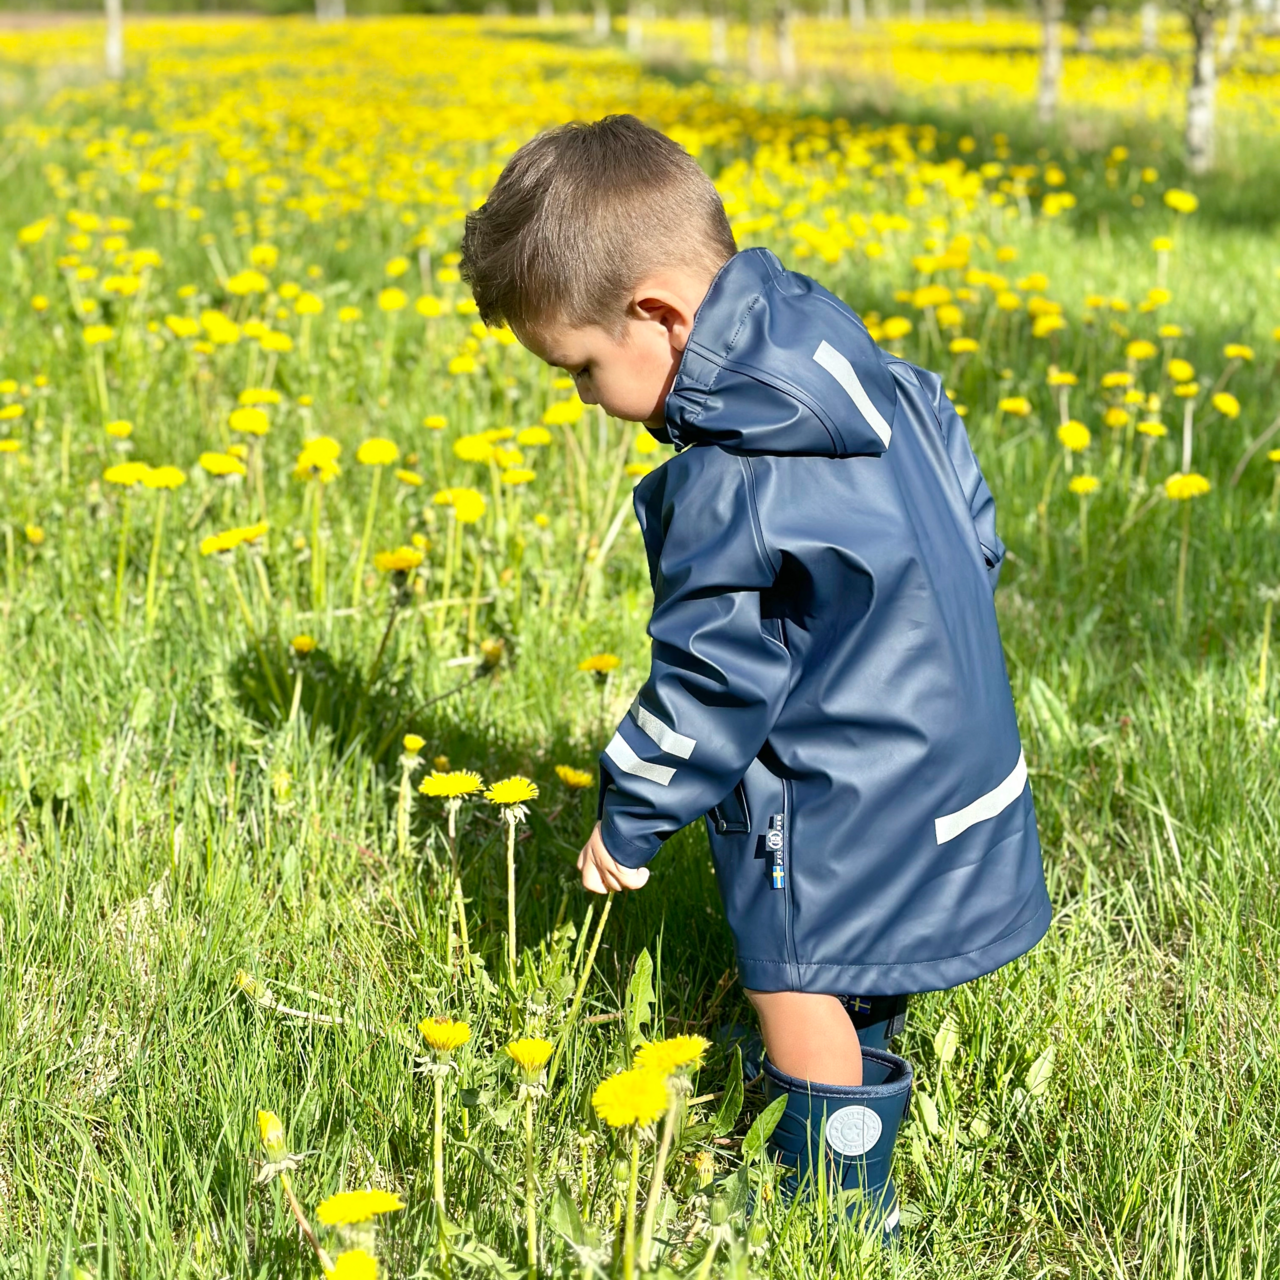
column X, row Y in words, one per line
column 668, row 307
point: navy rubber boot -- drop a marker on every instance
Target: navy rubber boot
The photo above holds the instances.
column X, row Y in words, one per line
column 876, row 1019
column 848, row 1131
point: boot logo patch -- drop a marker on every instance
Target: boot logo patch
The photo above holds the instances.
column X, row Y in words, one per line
column 853, row 1131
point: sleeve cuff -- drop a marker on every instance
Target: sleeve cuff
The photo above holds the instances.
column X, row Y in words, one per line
column 626, row 853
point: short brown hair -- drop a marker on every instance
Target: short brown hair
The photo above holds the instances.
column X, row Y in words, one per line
column 578, row 217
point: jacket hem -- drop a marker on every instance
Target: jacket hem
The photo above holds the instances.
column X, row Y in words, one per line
column 624, row 852
column 895, row 979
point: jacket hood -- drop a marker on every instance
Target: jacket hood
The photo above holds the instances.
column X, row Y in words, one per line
column 777, row 365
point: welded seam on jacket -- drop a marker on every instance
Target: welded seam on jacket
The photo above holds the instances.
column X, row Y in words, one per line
column 841, row 370
column 621, row 754
column 673, row 743
column 995, row 801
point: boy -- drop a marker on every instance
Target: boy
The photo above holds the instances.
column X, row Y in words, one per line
column 827, row 681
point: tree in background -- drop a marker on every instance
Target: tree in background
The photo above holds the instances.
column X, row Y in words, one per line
column 115, row 39
column 330, row 10
column 1202, row 93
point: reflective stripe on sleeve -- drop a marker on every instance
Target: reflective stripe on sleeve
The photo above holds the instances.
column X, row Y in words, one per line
column 673, row 743
column 842, row 371
column 995, row 801
column 629, row 762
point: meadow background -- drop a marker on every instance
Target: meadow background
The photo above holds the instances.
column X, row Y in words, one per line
column 273, row 500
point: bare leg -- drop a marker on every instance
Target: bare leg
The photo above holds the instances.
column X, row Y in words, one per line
column 810, row 1037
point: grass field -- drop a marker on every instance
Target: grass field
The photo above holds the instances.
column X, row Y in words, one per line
column 220, row 889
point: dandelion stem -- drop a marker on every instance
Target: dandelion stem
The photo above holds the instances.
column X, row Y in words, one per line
column 364, row 538
column 450, row 538
column 153, row 564
column 317, row 551
column 530, row 1191
column 1188, row 417
column 629, row 1236
column 120, row 559
column 473, row 607
column 326, row 1263
column 577, row 996
column 437, row 1147
column 1180, row 590
column 1084, row 532
column 459, row 901
column 511, row 896
column 655, row 1187
column 1266, row 648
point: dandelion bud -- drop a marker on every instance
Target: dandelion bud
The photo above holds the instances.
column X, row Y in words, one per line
column 271, row 1131
column 718, row 1212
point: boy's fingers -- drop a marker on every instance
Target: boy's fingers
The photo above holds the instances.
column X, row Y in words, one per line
column 630, row 877
column 591, row 881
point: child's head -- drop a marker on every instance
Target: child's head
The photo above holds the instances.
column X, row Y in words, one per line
column 596, row 245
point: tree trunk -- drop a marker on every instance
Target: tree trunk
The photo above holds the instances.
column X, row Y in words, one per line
column 635, row 27
column 1231, row 36
column 1203, row 91
column 977, row 12
column 857, row 14
column 545, row 11
column 881, row 9
column 330, row 10
column 755, row 41
column 1150, row 26
column 1050, row 60
column 115, row 39
column 719, row 35
column 917, row 10
column 603, row 20
column 785, row 39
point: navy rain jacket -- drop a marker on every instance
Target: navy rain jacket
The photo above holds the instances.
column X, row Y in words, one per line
column 827, row 677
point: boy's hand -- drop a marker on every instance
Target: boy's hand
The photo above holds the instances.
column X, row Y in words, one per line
column 600, row 874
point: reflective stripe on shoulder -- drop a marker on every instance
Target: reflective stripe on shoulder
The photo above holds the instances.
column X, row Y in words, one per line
column 995, row 801
column 673, row 743
column 629, row 762
column 842, row 371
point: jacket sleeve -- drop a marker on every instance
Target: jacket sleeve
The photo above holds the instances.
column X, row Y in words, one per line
column 982, row 506
column 718, row 677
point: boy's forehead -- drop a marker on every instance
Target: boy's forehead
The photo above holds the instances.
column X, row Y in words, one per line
column 561, row 345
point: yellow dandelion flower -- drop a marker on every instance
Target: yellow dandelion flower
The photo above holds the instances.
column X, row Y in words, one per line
column 247, row 282
column 1062, row 378
column 348, row 1207
column 1237, row 351
column 429, row 306
column 1181, row 370
column 1273, row 455
column 575, row 778
column 564, row 413
column 1074, row 435
column 163, row 478
column 963, row 346
column 1226, row 404
column 1181, row 487
column 11, row 411
column 413, row 743
column 96, row 334
column 411, row 478
column 450, row 785
column 1117, row 378
column 1187, row 390
column 1162, row 244
column 1169, row 331
column 251, row 396
column 1115, row 417
column 250, row 420
column 517, row 476
column 1084, row 485
column 354, row 1264
column 308, row 304
column 120, row 429
column 638, row 1097
column 401, row 560
column 1181, row 201
column 377, row 452
column 512, row 791
column 125, row 474
column 435, row 422
column 349, row 315
column 397, row 267
column 600, row 663
column 673, row 1054
column 303, row 644
column 1018, row 406
column 533, row 437
column 1153, row 428
column 530, row 1054
column 9, row 446
column 222, row 464
column 34, row 534
column 392, row 300
column 444, row 1035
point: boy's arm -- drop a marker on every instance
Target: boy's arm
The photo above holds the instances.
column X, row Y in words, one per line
column 718, row 677
column 982, row 506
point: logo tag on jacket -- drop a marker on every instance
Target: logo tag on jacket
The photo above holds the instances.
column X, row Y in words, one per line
column 773, row 841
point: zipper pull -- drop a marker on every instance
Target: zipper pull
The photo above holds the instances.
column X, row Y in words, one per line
column 773, row 842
